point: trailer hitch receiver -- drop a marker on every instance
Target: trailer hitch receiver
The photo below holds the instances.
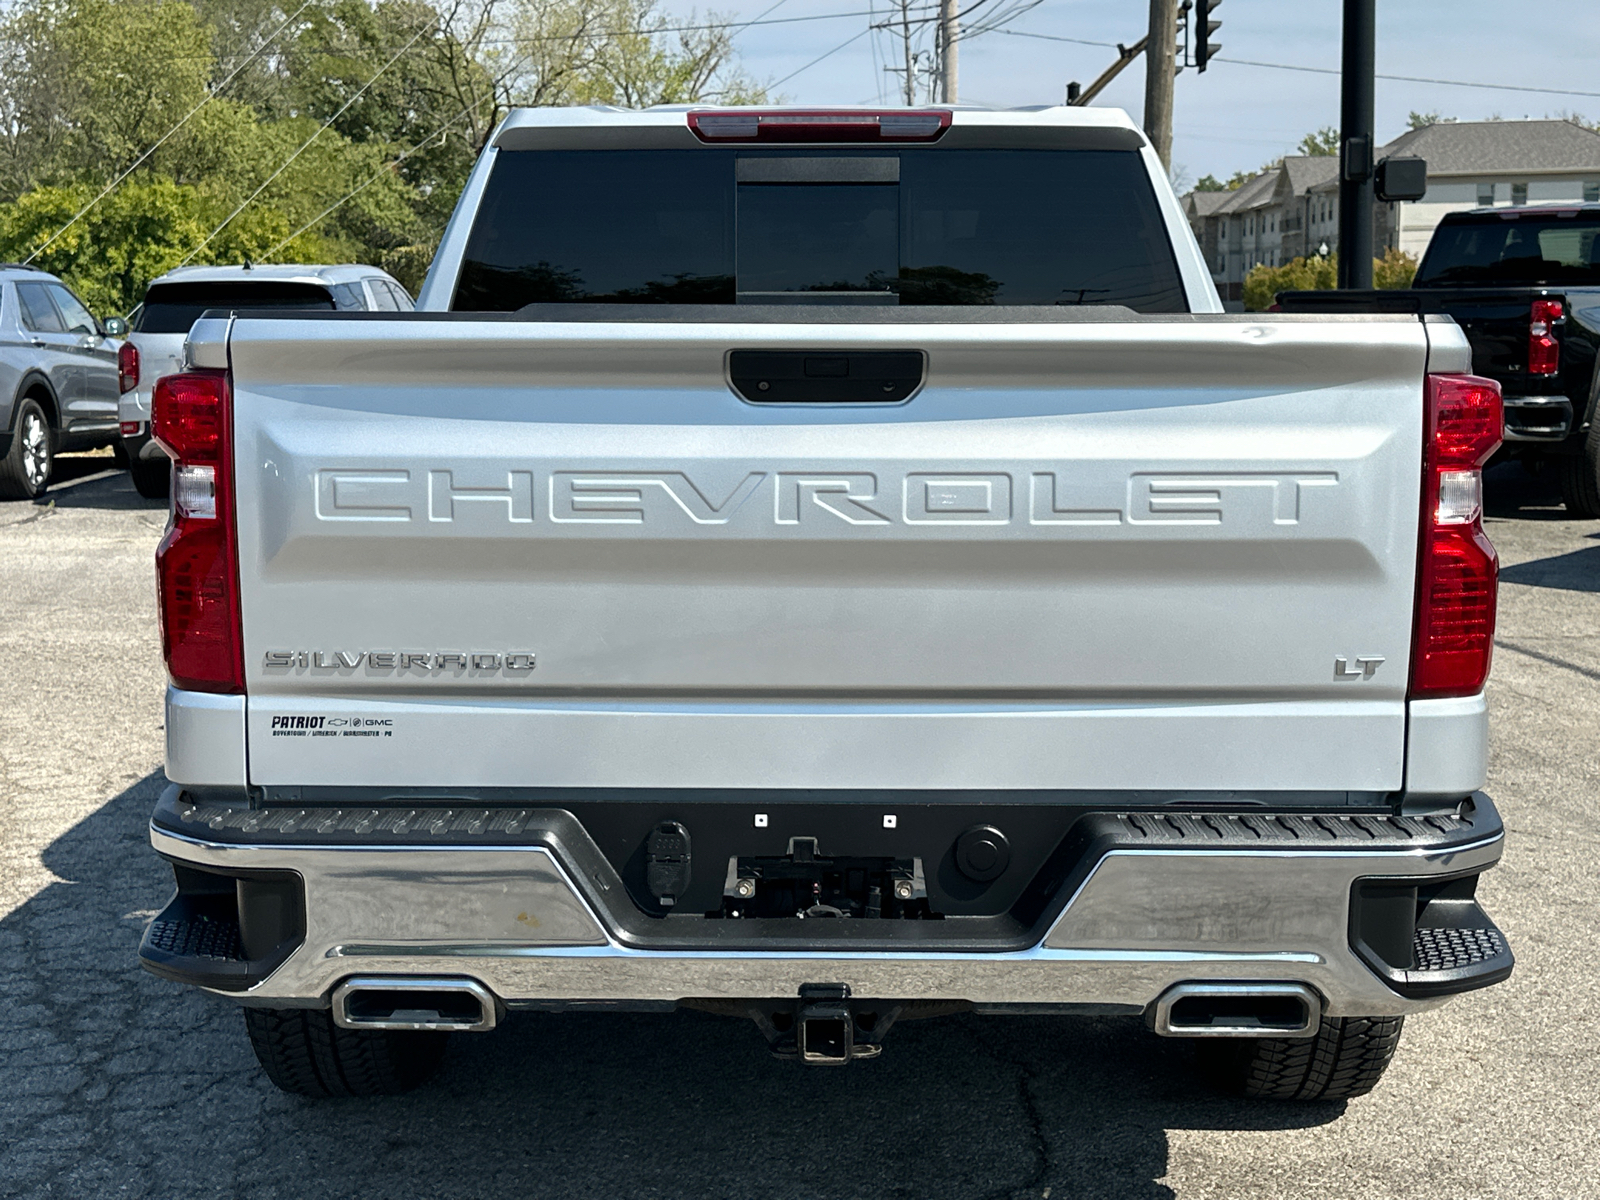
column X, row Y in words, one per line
column 825, row 1027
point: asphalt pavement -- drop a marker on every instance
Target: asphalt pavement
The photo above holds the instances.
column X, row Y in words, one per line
column 115, row 1083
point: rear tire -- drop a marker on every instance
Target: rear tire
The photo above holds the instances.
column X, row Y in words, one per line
column 304, row 1052
column 1346, row 1058
column 25, row 470
column 152, row 477
column 1578, row 476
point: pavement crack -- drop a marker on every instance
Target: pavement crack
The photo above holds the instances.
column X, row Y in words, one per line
column 1035, row 1122
column 45, row 510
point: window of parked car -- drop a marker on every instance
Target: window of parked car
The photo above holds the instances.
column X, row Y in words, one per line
column 1553, row 247
column 382, row 299
column 38, row 314
column 78, row 319
column 402, row 298
column 348, row 297
column 174, row 307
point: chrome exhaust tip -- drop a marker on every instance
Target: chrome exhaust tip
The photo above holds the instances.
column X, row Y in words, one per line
column 1280, row 1010
column 418, row 1002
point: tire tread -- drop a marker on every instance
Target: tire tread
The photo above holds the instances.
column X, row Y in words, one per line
column 302, row 1051
column 1345, row 1059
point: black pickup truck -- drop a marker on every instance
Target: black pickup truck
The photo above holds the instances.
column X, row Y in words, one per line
column 1524, row 284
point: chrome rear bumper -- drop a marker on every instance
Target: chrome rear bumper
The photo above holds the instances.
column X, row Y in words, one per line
column 513, row 919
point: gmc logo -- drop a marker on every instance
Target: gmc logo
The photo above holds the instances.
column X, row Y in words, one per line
column 859, row 499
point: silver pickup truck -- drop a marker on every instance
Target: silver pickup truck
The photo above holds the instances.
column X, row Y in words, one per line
column 826, row 568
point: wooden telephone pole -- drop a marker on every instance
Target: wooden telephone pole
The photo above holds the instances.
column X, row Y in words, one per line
column 1160, row 70
column 949, row 40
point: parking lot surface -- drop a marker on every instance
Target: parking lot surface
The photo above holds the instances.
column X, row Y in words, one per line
column 113, row 1082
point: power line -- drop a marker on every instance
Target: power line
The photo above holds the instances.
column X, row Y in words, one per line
column 1052, row 37
column 1248, row 62
column 647, row 32
column 1498, row 87
column 384, row 170
column 746, row 25
column 847, row 42
column 304, row 145
column 212, row 95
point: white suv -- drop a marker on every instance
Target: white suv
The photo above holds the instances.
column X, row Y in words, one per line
column 173, row 303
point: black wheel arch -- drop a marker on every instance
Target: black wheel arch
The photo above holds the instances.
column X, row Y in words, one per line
column 36, row 386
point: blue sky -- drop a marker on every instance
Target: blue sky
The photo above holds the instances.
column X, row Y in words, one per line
column 1234, row 116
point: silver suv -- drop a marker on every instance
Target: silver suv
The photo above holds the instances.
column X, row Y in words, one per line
column 174, row 301
column 58, row 379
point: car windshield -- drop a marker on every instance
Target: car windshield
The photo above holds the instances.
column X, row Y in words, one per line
column 914, row 226
column 1541, row 248
column 174, row 307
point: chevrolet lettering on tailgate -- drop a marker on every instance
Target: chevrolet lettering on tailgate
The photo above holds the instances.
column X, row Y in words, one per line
column 795, row 497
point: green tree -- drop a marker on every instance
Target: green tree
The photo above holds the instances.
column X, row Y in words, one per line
column 1209, row 183
column 1263, row 283
column 338, row 129
column 91, row 84
column 138, row 232
column 1421, row 120
column 1321, row 142
column 1396, row 269
column 643, row 67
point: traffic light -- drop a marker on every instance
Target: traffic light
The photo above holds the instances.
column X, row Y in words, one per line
column 1204, row 31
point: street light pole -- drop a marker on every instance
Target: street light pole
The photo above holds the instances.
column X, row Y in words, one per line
column 1355, row 143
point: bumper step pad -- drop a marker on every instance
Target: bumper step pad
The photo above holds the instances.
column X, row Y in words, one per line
column 1427, row 940
column 1455, row 949
column 203, row 938
column 196, row 939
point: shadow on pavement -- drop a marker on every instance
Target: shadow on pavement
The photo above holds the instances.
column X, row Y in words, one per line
column 113, row 492
column 1511, row 490
column 115, row 1081
column 1575, row 571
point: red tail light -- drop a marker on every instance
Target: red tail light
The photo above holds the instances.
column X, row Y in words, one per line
column 197, row 562
column 1544, row 352
column 127, row 366
column 1458, row 572
column 837, row 125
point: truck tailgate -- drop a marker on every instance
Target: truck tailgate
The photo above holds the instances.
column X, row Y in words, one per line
column 1095, row 554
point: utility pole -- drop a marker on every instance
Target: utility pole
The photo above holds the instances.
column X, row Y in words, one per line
column 949, row 38
column 1160, row 66
column 905, row 37
column 1355, row 143
column 1125, row 55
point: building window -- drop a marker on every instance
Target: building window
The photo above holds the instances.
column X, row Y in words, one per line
column 1485, row 195
column 1591, row 191
column 1519, row 193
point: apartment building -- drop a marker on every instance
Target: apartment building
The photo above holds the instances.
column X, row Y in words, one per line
column 1292, row 209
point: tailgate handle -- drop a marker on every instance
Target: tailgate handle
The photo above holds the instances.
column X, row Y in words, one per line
column 826, row 376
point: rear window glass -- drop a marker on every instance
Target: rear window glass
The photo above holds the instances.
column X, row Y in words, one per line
column 174, row 307
column 965, row 227
column 1516, row 250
